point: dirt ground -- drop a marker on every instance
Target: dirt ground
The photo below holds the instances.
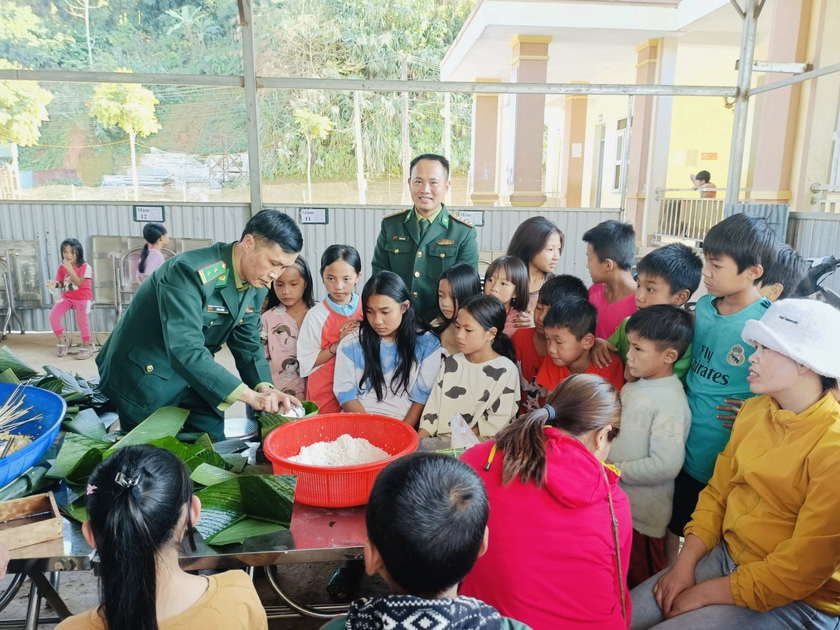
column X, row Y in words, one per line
column 305, row 582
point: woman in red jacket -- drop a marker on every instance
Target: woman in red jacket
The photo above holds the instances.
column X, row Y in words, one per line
column 562, row 548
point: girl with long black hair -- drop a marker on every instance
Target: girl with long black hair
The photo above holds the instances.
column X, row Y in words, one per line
column 456, row 284
column 152, row 256
column 481, row 383
column 389, row 365
column 140, row 504
column 287, row 304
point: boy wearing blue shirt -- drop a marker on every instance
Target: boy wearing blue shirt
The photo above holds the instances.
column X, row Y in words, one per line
column 737, row 251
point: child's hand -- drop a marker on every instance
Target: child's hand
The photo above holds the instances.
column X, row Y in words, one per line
column 600, row 353
column 525, row 319
column 347, row 327
column 67, row 265
column 733, row 406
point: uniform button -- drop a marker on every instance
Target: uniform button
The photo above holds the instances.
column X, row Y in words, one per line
column 443, row 255
column 419, row 254
column 224, row 266
column 212, row 321
column 396, row 251
column 416, row 274
column 415, row 294
column 241, row 321
column 150, row 368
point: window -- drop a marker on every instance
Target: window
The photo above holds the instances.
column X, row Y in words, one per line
column 618, row 164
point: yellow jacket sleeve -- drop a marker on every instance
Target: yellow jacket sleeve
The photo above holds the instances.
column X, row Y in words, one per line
column 707, row 519
column 803, row 563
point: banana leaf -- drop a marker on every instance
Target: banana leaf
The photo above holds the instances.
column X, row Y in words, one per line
column 8, row 376
column 270, row 421
column 76, row 389
column 246, row 528
column 193, row 455
column 166, row 421
column 268, row 498
column 88, row 423
column 236, row 462
column 205, row 441
column 30, row 482
column 10, row 361
column 78, row 456
column 209, row 475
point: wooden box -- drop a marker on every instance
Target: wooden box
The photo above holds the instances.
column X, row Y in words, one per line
column 29, row 521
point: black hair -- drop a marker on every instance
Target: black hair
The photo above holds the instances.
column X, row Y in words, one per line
column 828, row 383
column 516, row 272
column 389, row 284
column 676, row 264
column 704, row 175
column 152, row 232
column 430, row 156
column 560, row 288
column 273, row 226
column 665, row 325
column 464, row 282
column 789, row 270
column 272, row 300
column 347, row 253
column 746, row 240
column 131, row 525
column 76, row 246
column 577, row 315
column 613, row 240
column 530, row 238
column 426, row 516
column 489, row 312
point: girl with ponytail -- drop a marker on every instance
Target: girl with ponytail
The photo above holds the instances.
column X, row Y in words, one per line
column 560, row 525
column 152, row 258
column 140, row 505
column 481, row 382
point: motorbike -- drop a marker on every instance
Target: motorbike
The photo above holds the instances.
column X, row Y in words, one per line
column 811, row 286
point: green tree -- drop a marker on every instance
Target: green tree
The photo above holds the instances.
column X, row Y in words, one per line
column 23, row 107
column 129, row 106
column 188, row 19
column 311, row 126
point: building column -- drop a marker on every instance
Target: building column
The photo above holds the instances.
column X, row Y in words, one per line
column 574, row 140
column 485, row 143
column 529, row 65
column 640, row 135
column 775, row 141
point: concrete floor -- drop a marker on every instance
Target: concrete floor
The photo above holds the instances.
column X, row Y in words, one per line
column 305, row 582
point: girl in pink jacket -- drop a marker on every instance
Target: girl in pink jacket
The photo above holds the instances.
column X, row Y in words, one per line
column 564, row 531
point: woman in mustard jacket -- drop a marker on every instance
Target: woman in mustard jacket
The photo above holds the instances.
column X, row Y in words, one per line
column 763, row 547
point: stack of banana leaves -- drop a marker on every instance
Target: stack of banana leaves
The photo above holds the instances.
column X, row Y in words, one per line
column 238, row 500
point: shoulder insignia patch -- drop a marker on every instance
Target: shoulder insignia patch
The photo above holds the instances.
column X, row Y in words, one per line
column 455, row 217
column 212, row 272
column 397, row 213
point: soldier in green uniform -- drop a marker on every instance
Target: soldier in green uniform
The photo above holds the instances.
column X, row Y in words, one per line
column 161, row 351
column 418, row 244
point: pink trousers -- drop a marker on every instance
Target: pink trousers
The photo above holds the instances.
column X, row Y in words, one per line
column 65, row 305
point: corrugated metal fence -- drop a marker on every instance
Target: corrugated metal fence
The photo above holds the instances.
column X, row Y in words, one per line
column 816, row 234
column 50, row 223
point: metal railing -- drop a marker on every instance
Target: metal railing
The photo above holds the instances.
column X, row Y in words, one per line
column 688, row 218
column 826, row 198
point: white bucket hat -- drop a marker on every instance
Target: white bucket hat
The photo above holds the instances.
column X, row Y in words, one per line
column 806, row 331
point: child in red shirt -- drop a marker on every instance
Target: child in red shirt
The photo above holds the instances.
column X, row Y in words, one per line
column 610, row 254
column 530, row 344
column 74, row 280
column 570, row 335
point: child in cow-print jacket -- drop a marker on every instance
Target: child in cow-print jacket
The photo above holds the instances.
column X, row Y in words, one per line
column 481, row 383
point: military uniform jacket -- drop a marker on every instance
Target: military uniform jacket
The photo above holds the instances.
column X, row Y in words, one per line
column 179, row 318
column 419, row 262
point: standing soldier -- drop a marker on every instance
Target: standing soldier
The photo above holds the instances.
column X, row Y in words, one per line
column 161, row 351
column 418, row 244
